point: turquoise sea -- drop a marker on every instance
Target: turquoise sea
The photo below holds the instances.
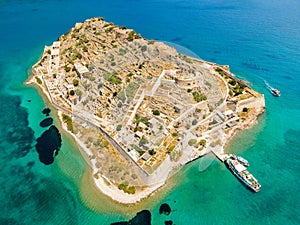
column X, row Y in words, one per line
column 260, row 40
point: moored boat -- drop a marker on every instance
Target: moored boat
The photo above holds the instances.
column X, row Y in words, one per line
column 243, row 161
column 243, row 174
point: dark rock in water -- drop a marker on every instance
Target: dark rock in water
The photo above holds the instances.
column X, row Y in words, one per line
column 168, row 222
column 46, row 111
column 48, row 145
column 46, row 122
column 120, row 223
column 142, row 218
column 164, row 209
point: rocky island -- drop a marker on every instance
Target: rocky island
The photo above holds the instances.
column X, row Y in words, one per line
column 138, row 108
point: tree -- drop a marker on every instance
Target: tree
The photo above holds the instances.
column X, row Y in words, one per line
column 144, row 48
column 232, row 82
column 175, row 134
column 143, row 141
column 245, row 109
column 72, row 92
column 155, row 112
column 119, row 127
column 67, row 69
column 202, row 142
column 192, row 142
column 194, row 122
column 75, row 82
column 38, row 80
column 131, row 35
column 152, row 152
column 78, row 92
column 85, row 49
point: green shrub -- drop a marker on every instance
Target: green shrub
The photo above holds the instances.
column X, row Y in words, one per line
column 194, row 122
column 192, row 142
column 67, row 69
column 68, row 120
column 232, row 82
column 155, row 112
column 152, row 152
column 245, row 109
column 72, row 92
column 131, row 190
column 114, row 79
column 119, row 127
column 75, row 82
column 198, row 96
column 144, row 48
column 143, row 141
column 202, row 142
column 38, row 80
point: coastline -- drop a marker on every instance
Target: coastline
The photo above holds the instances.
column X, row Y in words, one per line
column 214, row 121
column 102, row 183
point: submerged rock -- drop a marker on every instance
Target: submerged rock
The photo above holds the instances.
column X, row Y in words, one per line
column 142, row 218
column 46, row 111
column 164, row 209
column 46, row 122
column 48, row 145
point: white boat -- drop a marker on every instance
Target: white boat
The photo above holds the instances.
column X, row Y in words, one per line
column 275, row 92
column 243, row 174
column 243, row 161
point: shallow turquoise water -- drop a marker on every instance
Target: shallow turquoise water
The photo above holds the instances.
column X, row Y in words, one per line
column 259, row 40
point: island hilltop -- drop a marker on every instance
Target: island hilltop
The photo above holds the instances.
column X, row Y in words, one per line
column 139, row 109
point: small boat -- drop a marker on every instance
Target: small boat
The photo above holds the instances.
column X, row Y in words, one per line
column 275, row 92
column 243, row 161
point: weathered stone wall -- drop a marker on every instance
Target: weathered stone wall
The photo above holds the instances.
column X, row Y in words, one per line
column 255, row 102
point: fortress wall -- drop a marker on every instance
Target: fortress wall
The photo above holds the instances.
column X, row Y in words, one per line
column 257, row 102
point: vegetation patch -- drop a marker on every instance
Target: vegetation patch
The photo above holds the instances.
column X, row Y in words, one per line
column 126, row 188
column 68, row 120
column 114, row 79
column 198, row 96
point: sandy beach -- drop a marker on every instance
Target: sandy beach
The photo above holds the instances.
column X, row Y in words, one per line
column 102, row 183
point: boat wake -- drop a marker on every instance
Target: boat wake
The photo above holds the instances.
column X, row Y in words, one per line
column 275, row 92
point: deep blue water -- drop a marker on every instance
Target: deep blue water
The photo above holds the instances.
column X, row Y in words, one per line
column 260, row 40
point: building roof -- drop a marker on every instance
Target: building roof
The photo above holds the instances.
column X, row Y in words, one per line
column 146, row 156
column 139, row 134
column 56, row 44
column 55, row 51
column 142, row 125
column 81, row 69
column 228, row 112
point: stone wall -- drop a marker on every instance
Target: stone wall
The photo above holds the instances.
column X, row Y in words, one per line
column 255, row 102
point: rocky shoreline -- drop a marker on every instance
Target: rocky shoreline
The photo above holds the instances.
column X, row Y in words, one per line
column 216, row 105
